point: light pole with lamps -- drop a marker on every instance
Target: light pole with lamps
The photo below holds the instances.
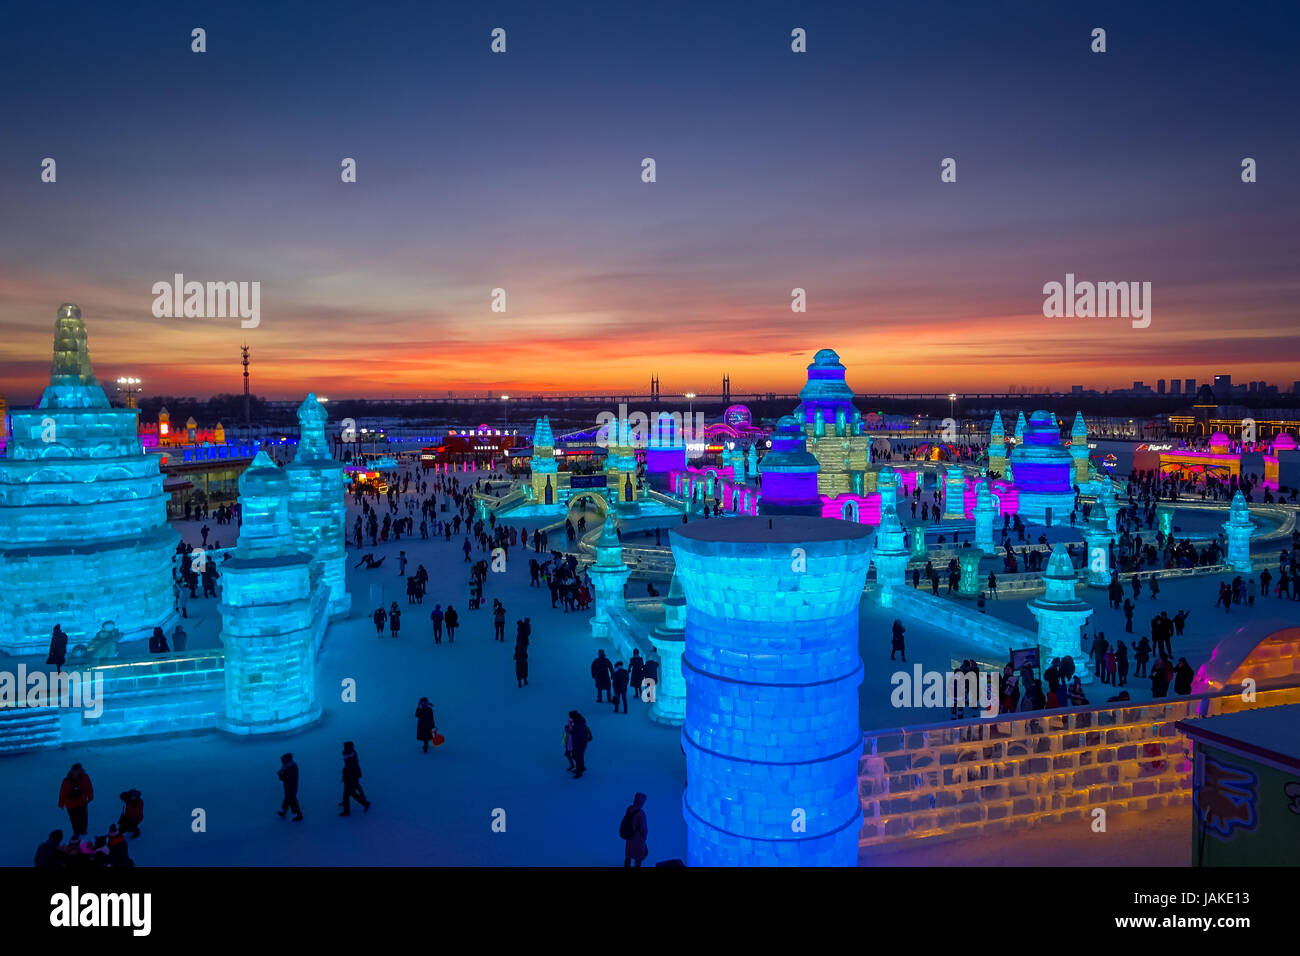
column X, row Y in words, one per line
column 130, row 385
column 505, row 408
column 690, row 407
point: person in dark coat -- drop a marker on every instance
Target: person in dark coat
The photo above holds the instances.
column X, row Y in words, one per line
column 352, row 780
column 451, row 619
column 602, row 672
column 634, row 848
column 896, row 642
column 620, row 686
column 75, row 793
column 521, row 664
column 424, row 722
column 579, row 738
column 1183, row 675
column 47, row 854
column 58, row 649
column 288, row 774
column 158, row 642
column 636, row 673
column 436, row 617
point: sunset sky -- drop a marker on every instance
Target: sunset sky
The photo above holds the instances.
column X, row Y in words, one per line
column 775, row 170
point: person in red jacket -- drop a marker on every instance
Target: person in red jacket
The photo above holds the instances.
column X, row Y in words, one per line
column 74, row 794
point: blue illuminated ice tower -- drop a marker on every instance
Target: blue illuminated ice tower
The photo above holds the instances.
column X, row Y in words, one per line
column 772, row 671
column 273, row 608
column 318, row 505
column 608, row 577
column 889, row 553
column 1043, row 470
column 1238, row 526
column 83, row 516
column 789, row 473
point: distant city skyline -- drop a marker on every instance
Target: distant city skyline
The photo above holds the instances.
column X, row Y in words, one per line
column 776, row 171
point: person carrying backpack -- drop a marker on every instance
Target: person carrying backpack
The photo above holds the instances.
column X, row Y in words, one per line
column 633, row 831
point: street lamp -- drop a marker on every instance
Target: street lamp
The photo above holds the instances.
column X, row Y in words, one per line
column 505, row 406
column 952, row 398
column 690, row 408
column 129, row 384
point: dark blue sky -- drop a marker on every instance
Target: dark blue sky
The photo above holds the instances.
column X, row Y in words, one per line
column 775, row 170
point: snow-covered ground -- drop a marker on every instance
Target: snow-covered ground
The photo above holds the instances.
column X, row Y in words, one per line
column 503, row 753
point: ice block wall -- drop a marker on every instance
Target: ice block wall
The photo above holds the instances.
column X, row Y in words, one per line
column 772, row 738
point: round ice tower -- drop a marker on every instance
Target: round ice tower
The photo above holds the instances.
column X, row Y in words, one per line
column 789, row 473
column 1043, row 472
column 772, row 737
column 272, row 613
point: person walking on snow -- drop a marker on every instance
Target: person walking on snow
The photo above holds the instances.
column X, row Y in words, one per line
column 425, row 725
column 634, row 830
column 288, row 774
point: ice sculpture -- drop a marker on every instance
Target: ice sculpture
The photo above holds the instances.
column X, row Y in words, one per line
column 318, row 505
column 608, row 577
column 833, row 428
column 969, row 583
column 789, row 473
column 1079, row 450
column 666, row 450
column 889, row 553
column 669, row 639
column 1060, row 613
column 83, row 516
column 545, row 469
column 954, row 492
column 1098, row 537
column 772, row 670
column 997, row 446
column 272, row 609
column 1238, row 526
column 1043, row 470
column 985, row 513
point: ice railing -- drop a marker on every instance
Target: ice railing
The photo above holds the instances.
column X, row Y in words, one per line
column 995, row 774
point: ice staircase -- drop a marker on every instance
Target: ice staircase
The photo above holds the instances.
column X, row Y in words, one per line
column 25, row 729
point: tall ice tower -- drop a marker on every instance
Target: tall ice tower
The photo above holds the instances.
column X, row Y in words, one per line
column 83, row 517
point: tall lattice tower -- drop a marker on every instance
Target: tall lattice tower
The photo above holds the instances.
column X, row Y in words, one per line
column 248, row 422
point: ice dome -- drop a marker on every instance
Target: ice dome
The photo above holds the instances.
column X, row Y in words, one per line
column 1283, row 442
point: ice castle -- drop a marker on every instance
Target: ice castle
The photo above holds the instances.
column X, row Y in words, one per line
column 83, row 517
